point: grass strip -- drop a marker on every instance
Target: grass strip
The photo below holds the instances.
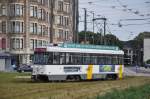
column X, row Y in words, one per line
column 142, row 92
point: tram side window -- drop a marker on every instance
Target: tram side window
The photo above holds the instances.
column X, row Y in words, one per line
column 62, row 58
column 56, row 58
column 68, row 58
column 120, row 60
column 101, row 60
column 75, row 58
column 50, row 58
column 41, row 58
column 45, row 59
column 117, row 59
column 79, row 59
column 93, row 59
column 86, row 59
column 114, row 60
column 108, row 60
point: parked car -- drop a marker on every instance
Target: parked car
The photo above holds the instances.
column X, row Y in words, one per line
column 147, row 65
column 24, row 68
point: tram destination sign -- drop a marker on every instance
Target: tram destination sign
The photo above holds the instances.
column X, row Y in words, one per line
column 88, row 46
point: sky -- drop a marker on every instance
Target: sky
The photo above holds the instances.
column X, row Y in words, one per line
column 132, row 15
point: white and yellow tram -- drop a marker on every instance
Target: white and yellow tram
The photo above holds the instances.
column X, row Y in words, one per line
column 77, row 62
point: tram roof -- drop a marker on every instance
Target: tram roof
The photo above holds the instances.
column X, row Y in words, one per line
column 79, row 48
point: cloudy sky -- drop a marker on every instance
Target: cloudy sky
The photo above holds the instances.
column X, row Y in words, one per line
column 132, row 15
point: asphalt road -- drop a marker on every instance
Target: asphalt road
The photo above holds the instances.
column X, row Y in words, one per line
column 134, row 71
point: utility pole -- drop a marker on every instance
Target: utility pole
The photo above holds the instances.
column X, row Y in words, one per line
column 93, row 20
column 75, row 13
column 51, row 21
column 104, row 30
column 104, row 19
column 77, row 18
column 85, row 23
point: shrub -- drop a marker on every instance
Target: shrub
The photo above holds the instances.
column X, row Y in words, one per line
column 148, row 61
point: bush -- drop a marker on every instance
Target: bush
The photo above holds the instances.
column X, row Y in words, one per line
column 148, row 61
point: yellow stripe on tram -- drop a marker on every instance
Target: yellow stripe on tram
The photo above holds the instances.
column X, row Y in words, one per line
column 121, row 72
column 89, row 72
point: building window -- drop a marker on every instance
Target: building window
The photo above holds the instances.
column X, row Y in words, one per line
column 45, row 30
column 33, row 0
column 60, row 20
column 66, row 21
column 12, row 10
column 0, row 26
column 13, row 43
column 44, row 43
column 40, row 29
column 63, row 20
column 32, row 44
column 33, row 28
column 17, row 27
column 17, row 43
column 47, row 17
column 40, row 1
column 18, row 10
column 66, row 35
column 43, row 2
column 33, row 11
column 35, row 43
column 43, row 15
column 3, row 26
column 47, row 3
column 60, row 34
column 4, row 10
column 0, row 43
column 21, row 43
column 3, row 43
column 66, row 8
column 60, row 5
column 40, row 13
column 39, row 43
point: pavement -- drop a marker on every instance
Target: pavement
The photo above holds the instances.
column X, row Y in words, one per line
column 134, row 71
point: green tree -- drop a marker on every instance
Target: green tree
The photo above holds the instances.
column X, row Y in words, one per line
column 148, row 61
column 98, row 39
column 113, row 40
column 91, row 38
column 138, row 41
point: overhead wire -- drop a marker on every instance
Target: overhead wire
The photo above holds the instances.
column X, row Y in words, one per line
column 96, row 3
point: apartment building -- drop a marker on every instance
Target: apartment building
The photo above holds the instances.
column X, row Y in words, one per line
column 27, row 24
column 146, row 48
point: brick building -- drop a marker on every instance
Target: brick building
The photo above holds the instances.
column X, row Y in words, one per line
column 27, row 24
